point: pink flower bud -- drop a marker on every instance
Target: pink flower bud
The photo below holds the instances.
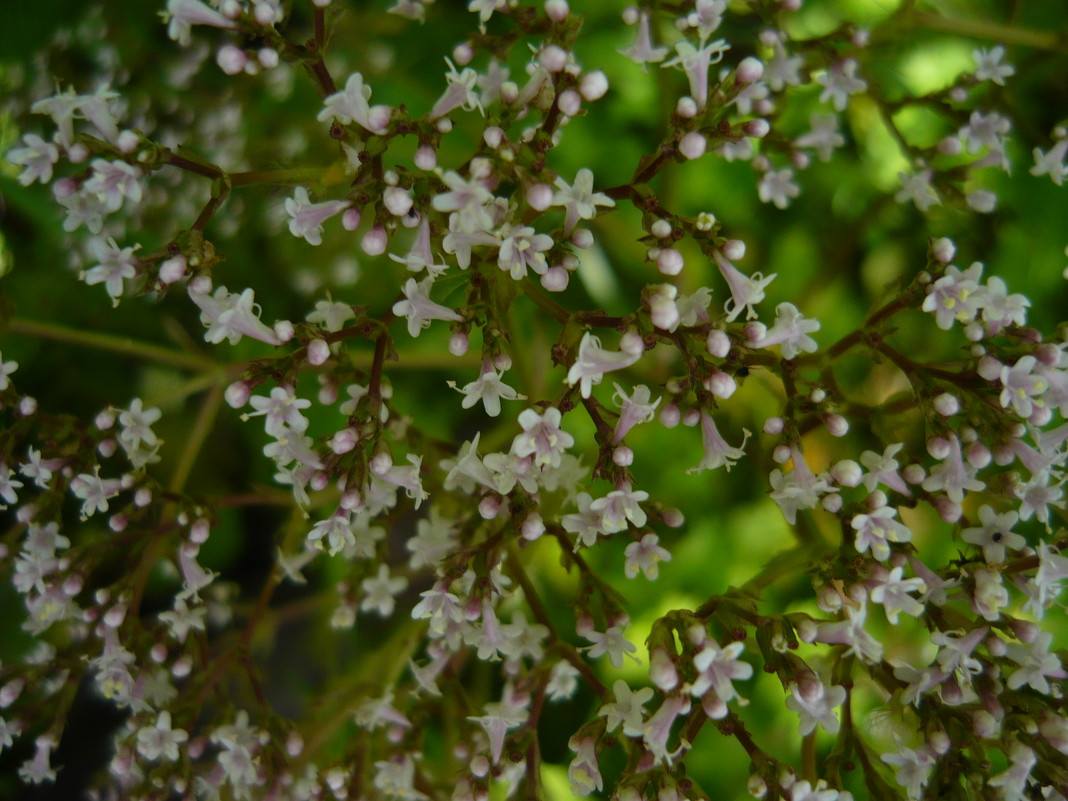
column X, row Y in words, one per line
column 837, row 425
column 493, row 136
column 557, row 10
column 350, row 219
column 553, row 58
column 749, row 69
column 458, row 343
column 533, row 527
column 539, row 196
column 721, row 384
column 172, row 269
column 914, row 474
column 773, row 425
column 570, row 102
column 669, row 261
column 670, row 415
column 182, row 667
column 397, row 201
column 374, row 242
column 686, row 108
column 127, row 142
column 318, row 352
column 237, row 394
column 832, row 503
column 623, row 456
column 489, row 506
column 734, row 249
column 757, row 128
column 946, row 405
column 582, row 238
column 462, row 54
column 693, row 145
column 344, row 441
column 268, row 57
column 847, row 473
column 938, row 447
column 662, row 670
column 593, row 85
column 943, row 250
column 426, row 158
column 555, row 279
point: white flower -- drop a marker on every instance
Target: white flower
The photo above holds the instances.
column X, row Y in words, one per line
column 823, row 136
column 350, row 105
column 611, row 642
column 306, row 218
column 579, row 199
column 717, row 452
column 230, row 316
column 115, row 265
column 490, row 389
column 1052, row 163
column 814, row 703
column 419, row 308
column 36, row 159
column 160, row 740
column 542, row 437
column 777, row 187
column 642, row 51
column 522, row 248
column 379, row 592
column 988, row 66
column 461, row 92
column 593, row 361
column 918, row 189
column 876, row 529
column 645, row 556
column 112, row 182
column 627, row 709
column 695, row 63
column 94, row 491
column 746, row 291
column 839, row 82
column 6, row 369
column 181, row 15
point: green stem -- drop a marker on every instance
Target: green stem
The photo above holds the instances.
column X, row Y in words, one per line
column 116, row 344
column 991, row 31
column 292, row 176
column 199, row 434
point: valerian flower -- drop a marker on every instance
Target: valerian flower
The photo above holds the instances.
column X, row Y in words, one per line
column 419, row 308
column 488, row 388
column 626, row 710
column 306, row 218
column 351, row 105
column 989, row 66
column 579, row 199
column 593, row 361
column 182, row 15
column 645, row 556
column 542, row 437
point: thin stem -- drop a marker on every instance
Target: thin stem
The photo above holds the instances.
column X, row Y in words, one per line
column 197, row 436
column 991, row 31
column 292, row 176
column 116, row 344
